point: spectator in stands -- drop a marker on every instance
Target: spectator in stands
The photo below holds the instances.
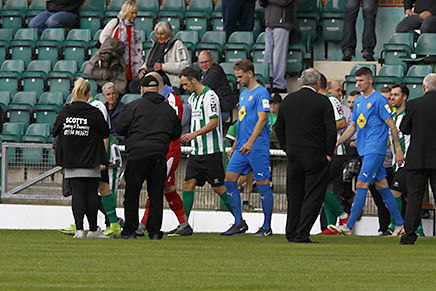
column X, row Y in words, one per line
column 114, row 107
column 214, row 77
column 274, row 106
column 351, row 97
column 348, row 42
column 386, row 91
column 279, row 19
column 107, row 65
column 168, row 54
column 81, row 128
column 123, row 28
column 238, row 15
column 149, row 124
column 59, row 13
column 420, row 14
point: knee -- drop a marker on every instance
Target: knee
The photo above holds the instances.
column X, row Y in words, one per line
column 428, row 27
column 188, row 185
column 361, row 184
column 52, row 22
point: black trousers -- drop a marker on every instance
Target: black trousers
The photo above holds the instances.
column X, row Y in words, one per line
column 153, row 170
column 85, row 201
column 416, row 184
column 384, row 216
column 306, row 185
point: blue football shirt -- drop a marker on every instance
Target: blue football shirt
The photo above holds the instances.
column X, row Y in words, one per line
column 370, row 114
column 250, row 103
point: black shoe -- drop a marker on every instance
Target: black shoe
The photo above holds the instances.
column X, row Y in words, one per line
column 125, row 236
column 347, row 57
column 368, row 57
column 234, row 229
column 171, row 231
column 306, row 241
column 406, row 243
column 156, row 236
column 183, row 229
column 387, row 232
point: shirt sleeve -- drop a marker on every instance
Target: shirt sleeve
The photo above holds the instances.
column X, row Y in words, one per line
column 384, row 110
column 337, row 109
column 231, row 133
column 212, row 105
column 354, row 113
column 263, row 101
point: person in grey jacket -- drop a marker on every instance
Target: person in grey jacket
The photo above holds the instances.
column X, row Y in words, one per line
column 279, row 19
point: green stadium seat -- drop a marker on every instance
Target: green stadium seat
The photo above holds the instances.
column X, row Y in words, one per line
column 332, row 20
column 261, row 72
column 62, row 76
column 190, row 39
column 12, row 132
column 100, row 97
column 198, row 14
column 113, row 8
column 148, row 7
column 398, row 46
column 37, row 132
column 213, row 41
column 14, row 13
column 35, row 8
column 258, row 49
column 173, row 11
column 92, row 45
column 388, row 76
column 425, row 46
column 93, row 5
column 91, row 14
column 22, row 47
column 414, row 77
column 5, row 41
column 127, row 98
column 145, row 23
column 230, row 74
column 21, row 107
column 76, row 45
column 5, row 99
column 238, row 46
column 10, row 75
column 308, row 16
column 299, row 55
column 49, row 46
column 35, row 77
column 217, row 17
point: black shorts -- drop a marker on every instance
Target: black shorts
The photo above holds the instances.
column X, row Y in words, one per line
column 399, row 183
column 104, row 176
column 206, row 168
column 336, row 167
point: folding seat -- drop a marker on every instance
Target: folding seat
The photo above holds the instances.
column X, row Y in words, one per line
column 5, row 99
column 10, row 75
column 261, row 72
column 49, row 46
column 14, row 13
column 398, row 46
column 12, row 132
column 112, row 9
column 238, row 46
column 93, row 43
column 258, row 49
column 22, row 47
column 127, row 98
column 5, row 41
column 62, row 76
column 100, row 97
column 213, row 41
column 37, row 132
column 21, row 107
column 230, row 74
column 216, row 20
column 414, row 77
column 148, row 7
column 35, row 8
column 190, row 39
column 35, row 77
column 388, row 76
column 299, row 55
column 332, row 20
column 145, row 23
column 173, row 11
column 197, row 15
column 308, row 16
column 91, row 14
column 76, row 45
column 425, row 48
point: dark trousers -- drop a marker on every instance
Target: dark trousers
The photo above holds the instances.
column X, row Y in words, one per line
column 384, row 216
column 416, row 184
column 238, row 12
column 153, row 170
column 348, row 42
column 306, row 184
column 410, row 23
column 85, row 201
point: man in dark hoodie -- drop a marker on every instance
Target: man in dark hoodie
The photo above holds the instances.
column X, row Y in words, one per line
column 420, row 14
column 59, row 13
column 279, row 19
column 149, row 124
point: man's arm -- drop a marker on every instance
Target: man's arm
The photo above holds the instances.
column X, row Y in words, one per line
column 340, row 124
column 280, row 128
column 347, row 133
column 399, row 156
column 260, row 124
column 212, row 124
column 124, row 121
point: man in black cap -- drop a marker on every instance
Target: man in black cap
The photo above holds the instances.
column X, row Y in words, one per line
column 149, row 124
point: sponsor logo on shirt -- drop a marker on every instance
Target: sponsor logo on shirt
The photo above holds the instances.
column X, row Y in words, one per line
column 388, row 109
column 265, row 103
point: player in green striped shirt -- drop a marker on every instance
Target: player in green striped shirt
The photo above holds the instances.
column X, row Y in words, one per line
column 206, row 137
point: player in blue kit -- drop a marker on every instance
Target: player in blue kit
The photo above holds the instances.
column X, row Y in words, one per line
column 250, row 152
column 372, row 118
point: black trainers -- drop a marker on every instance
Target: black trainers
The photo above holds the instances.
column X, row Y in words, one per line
column 183, row 229
column 263, row 232
column 234, row 229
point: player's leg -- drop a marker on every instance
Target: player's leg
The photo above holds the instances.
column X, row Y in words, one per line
column 109, row 201
column 248, row 188
column 193, row 173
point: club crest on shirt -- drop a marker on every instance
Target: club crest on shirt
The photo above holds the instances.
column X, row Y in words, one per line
column 388, row 109
column 250, row 98
column 368, row 105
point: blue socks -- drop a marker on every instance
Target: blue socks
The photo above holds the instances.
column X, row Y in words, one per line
column 391, row 204
column 267, row 199
column 357, row 207
column 235, row 200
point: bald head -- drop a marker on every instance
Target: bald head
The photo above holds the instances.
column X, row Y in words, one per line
column 205, row 61
column 334, row 87
column 152, row 82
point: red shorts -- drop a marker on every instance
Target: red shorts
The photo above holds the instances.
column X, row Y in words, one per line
column 172, row 164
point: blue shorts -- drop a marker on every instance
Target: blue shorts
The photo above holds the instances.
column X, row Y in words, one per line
column 256, row 161
column 372, row 169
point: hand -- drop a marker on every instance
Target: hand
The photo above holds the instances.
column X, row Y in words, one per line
column 352, row 144
column 189, row 136
column 230, row 153
column 424, row 14
column 329, row 158
column 103, row 167
column 399, row 157
column 246, row 148
column 157, row 66
column 409, row 12
column 111, row 165
column 141, row 73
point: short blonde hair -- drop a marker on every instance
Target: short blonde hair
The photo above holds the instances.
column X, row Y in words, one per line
column 80, row 90
column 128, row 7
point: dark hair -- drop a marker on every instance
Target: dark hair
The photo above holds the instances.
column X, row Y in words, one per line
column 385, row 90
column 363, row 71
column 404, row 89
column 323, row 82
column 190, row 73
column 244, row 65
column 354, row 93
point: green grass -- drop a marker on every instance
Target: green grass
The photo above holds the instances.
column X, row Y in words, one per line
column 47, row 260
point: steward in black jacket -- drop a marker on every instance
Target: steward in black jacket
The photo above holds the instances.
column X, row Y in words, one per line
column 149, row 124
column 80, row 129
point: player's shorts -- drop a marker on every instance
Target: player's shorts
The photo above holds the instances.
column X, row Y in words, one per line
column 104, row 177
column 372, row 169
column 206, row 168
column 172, row 164
column 399, row 183
column 336, row 167
column 256, row 161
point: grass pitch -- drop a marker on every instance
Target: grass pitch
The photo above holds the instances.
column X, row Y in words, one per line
column 47, row 260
